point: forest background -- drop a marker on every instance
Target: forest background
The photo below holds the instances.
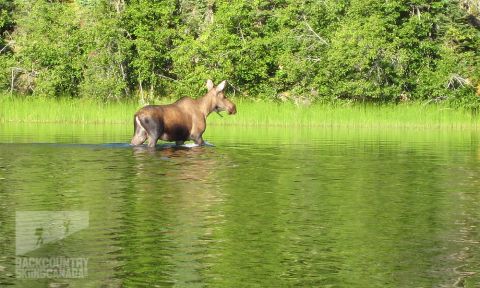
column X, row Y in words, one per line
column 300, row 51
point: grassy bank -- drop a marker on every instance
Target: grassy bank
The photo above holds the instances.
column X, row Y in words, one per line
column 249, row 114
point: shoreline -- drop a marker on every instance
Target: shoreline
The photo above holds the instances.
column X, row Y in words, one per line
column 250, row 114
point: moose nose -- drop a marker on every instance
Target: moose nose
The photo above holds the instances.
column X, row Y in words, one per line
column 232, row 110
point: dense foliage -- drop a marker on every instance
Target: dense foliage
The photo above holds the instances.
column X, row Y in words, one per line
column 295, row 50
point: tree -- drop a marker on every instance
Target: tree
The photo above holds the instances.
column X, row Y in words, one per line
column 376, row 51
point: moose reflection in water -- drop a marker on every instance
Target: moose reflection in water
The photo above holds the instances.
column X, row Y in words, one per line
column 189, row 199
column 181, row 121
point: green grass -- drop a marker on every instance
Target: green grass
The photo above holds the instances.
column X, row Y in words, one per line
column 38, row 110
column 404, row 115
column 250, row 113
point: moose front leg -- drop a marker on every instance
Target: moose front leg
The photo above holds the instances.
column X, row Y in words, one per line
column 198, row 140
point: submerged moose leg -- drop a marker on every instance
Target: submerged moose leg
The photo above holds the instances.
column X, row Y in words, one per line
column 178, row 143
column 199, row 141
column 154, row 129
column 139, row 138
column 153, row 135
column 140, row 134
column 152, row 141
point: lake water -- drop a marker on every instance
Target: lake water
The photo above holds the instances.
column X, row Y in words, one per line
column 265, row 207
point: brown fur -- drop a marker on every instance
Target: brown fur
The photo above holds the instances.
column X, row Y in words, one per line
column 180, row 121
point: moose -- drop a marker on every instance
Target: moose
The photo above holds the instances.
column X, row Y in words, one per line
column 180, row 121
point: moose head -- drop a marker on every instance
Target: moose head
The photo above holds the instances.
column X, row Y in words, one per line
column 217, row 98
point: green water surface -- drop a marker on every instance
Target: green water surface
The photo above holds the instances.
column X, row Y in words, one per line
column 265, row 207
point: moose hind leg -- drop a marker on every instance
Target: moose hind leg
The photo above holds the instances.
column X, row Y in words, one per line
column 154, row 129
column 152, row 140
column 139, row 138
column 140, row 134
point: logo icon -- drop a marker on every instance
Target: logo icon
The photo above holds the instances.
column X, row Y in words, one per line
column 35, row 229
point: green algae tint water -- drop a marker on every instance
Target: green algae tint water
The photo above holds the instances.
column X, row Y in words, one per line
column 265, row 207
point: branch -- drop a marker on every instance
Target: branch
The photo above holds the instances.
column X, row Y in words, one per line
column 166, row 77
column 456, row 81
column 4, row 47
column 9, row 43
column 323, row 41
column 235, row 88
column 313, row 59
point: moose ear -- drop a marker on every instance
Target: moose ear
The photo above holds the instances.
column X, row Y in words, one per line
column 209, row 84
column 221, row 86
